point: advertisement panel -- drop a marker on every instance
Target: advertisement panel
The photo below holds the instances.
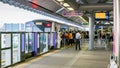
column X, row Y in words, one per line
column 16, row 47
column 5, row 58
column 5, row 40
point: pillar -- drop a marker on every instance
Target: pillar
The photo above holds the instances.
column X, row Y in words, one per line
column 91, row 31
column 116, row 44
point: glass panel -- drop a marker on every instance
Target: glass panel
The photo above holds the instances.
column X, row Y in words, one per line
column 8, row 27
column 16, row 48
column 15, row 27
column 26, row 42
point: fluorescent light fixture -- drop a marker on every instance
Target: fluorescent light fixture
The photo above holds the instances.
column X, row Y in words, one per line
column 70, row 8
column 60, row 0
column 66, row 5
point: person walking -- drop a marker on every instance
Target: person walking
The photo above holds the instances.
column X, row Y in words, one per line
column 78, row 36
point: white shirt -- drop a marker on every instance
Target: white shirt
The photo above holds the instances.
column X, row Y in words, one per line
column 78, row 36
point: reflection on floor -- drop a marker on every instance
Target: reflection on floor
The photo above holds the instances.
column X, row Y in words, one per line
column 70, row 58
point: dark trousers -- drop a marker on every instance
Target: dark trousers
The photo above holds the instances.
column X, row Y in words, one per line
column 77, row 44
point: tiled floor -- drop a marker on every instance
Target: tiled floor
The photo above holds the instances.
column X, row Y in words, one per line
column 70, row 58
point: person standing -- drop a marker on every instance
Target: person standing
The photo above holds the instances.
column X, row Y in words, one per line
column 70, row 38
column 78, row 36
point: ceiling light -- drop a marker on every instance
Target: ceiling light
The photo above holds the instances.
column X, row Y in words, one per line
column 70, row 8
column 60, row 0
column 66, row 5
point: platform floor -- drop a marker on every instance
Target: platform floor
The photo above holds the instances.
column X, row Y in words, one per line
column 70, row 58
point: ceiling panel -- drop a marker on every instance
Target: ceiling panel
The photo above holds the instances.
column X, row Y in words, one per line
column 48, row 4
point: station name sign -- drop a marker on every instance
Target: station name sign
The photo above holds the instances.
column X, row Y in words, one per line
column 72, row 13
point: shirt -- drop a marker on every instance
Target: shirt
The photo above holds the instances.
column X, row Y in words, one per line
column 78, row 36
column 70, row 36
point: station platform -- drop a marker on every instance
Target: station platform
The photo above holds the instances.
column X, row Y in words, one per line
column 70, row 58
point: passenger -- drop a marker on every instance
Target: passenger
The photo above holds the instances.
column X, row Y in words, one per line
column 63, row 38
column 95, row 36
column 103, row 39
column 70, row 38
column 111, row 36
column 67, row 38
column 73, row 36
column 78, row 36
column 107, row 39
column 99, row 38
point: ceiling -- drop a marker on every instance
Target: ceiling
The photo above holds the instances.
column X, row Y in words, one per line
column 79, row 5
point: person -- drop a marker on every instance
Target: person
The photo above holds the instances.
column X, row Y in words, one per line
column 67, row 38
column 70, row 38
column 78, row 36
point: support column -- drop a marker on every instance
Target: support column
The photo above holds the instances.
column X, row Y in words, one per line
column 91, row 31
column 116, row 45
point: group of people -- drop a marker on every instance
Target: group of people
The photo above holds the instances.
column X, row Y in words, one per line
column 104, row 38
column 70, row 38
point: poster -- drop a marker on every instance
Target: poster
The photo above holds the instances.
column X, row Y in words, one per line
column 26, row 42
column 16, row 47
column 5, row 58
column 5, row 40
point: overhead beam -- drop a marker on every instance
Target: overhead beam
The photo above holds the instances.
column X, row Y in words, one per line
column 102, row 7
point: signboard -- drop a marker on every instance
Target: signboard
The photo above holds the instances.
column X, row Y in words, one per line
column 72, row 13
column 38, row 23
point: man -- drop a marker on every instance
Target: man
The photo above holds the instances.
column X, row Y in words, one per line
column 78, row 36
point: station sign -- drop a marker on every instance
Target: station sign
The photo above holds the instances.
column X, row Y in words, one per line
column 38, row 23
column 72, row 13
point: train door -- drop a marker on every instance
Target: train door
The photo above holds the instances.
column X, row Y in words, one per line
column 29, row 44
